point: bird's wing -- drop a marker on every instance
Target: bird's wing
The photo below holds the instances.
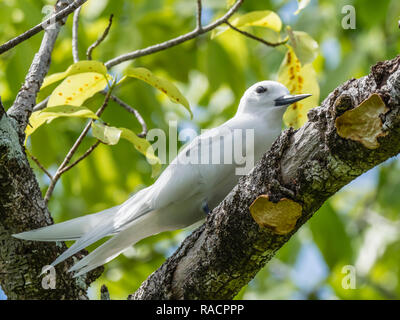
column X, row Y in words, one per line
column 183, row 179
column 180, row 181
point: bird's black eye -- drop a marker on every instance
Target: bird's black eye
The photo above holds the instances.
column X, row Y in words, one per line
column 261, row 89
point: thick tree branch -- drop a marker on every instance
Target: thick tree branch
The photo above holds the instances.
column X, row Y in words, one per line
column 314, row 162
column 21, row 202
column 22, row 206
column 174, row 42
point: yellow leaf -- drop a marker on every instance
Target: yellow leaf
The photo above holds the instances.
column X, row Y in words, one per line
column 363, row 123
column 298, row 80
column 106, row 134
column 76, row 89
column 50, row 113
column 280, row 217
column 267, row 19
column 144, row 147
column 112, row 135
column 161, row 84
column 76, row 68
column 305, row 47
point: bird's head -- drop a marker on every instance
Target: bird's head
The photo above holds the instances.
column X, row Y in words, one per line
column 267, row 96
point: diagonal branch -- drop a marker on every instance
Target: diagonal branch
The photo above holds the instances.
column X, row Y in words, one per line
column 174, row 42
column 82, row 157
column 62, row 168
column 41, row 167
column 58, row 17
column 314, row 162
column 133, row 111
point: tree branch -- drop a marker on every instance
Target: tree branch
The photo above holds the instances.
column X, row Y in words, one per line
column 36, row 160
column 75, row 36
column 58, row 17
column 174, row 42
column 249, row 35
column 62, row 168
column 82, row 157
column 21, row 202
column 99, row 40
column 199, row 15
column 133, row 111
column 26, row 98
column 314, row 162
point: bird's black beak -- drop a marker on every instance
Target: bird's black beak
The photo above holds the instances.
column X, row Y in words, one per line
column 289, row 99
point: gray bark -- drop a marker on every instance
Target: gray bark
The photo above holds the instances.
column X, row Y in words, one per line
column 21, row 208
column 308, row 165
column 21, row 203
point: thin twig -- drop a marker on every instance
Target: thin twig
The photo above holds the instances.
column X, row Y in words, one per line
column 41, row 105
column 75, row 28
column 82, row 157
column 36, row 160
column 73, row 149
column 133, row 111
column 249, row 35
column 99, row 40
column 41, row 26
column 199, row 14
column 173, row 42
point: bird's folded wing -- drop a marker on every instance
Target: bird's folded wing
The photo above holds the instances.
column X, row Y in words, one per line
column 192, row 171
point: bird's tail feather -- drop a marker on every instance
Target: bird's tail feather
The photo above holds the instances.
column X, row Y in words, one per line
column 105, row 227
column 131, row 222
column 138, row 229
column 69, row 230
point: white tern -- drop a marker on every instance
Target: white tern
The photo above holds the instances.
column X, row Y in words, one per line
column 183, row 193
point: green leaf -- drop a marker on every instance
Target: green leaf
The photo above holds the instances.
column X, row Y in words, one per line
column 298, row 80
column 112, row 135
column 305, row 47
column 76, row 68
column 330, row 236
column 161, row 84
column 266, row 18
column 144, row 147
column 106, row 134
column 76, row 89
column 50, row 113
column 301, row 5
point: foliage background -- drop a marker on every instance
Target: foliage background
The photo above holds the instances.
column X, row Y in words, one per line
column 359, row 226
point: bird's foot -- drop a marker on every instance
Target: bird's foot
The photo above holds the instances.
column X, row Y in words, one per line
column 205, row 207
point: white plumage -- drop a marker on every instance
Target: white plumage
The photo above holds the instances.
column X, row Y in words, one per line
column 180, row 195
